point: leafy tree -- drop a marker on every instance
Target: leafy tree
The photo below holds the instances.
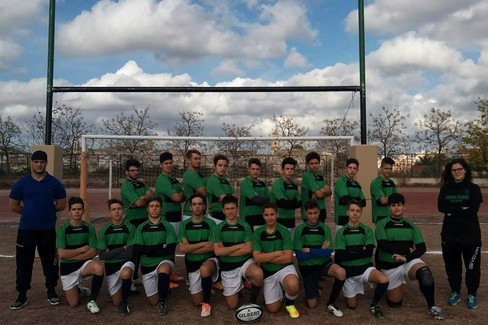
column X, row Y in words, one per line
column 288, row 127
column 387, row 130
column 338, row 127
column 476, row 139
column 10, row 140
column 190, row 125
column 138, row 123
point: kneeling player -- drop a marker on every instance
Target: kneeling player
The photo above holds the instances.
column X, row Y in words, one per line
column 115, row 248
column 313, row 246
column 156, row 243
column 272, row 248
column 76, row 241
column 200, row 261
column 400, row 246
column 232, row 244
column 354, row 251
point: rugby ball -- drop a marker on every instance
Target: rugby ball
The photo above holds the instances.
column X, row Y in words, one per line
column 249, row 313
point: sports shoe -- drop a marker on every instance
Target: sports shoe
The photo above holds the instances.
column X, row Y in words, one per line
column 436, row 312
column 92, row 307
column 218, row 285
column 175, row 278
column 137, row 282
column 376, row 311
column 472, row 302
column 454, row 298
column 292, row 311
column 133, row 289
column 53, row 299
column 173, row 285
column 18, row 304
column 334, row 310
column 123, row 309
column 84, row 290
column 162, row 308
column 206, row 310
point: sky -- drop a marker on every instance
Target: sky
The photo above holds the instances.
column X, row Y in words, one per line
column 419, row 54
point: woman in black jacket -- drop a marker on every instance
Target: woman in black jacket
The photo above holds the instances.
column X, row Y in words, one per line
column 459, row 199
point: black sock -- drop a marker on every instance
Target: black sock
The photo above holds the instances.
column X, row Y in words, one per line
column 206, row 288
column 336, row 290
column 255, row 290
column 126, row 284
column 163, row 286
column 96, row 285
column 379, row 292
column 288, row 301
column 428, row 292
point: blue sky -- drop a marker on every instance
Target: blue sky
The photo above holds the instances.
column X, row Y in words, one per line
column 419, row 55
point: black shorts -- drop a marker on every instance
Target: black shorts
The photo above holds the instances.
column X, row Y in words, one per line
column 311, row 276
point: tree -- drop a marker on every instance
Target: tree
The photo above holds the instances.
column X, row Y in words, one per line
column 138, row 123
column 338, row 127
column 190, row 125
column 236, row 148
column 476, row 140
column 9, row 139
column 387, row 130
column 288, row 127
column 439, row 131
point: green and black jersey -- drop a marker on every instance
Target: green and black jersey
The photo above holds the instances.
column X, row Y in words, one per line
column 307, row 236
column 264, row 242
column 130, row 192
column 231, row 235
column 113, row 236
column 196, row 232
column 216, row 186
column 312, row 182
column 354, row 247
column 166, row 186
column 72, row 237
column 381, row 188
column 287, row 198
column 345, row 190
column 249, row 211
column 192, row 181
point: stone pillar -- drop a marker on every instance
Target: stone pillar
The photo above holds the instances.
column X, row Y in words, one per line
column 367, row 155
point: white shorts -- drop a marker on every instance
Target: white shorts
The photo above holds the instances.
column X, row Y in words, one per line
column 337, row 228
column 194, row 277
column 114, row 281
column 185, row 217
column 273, row 284
column 354, row 286
column 399, row 274
column 150, row 280
column 232, row 279
column 71, row 280
column 176, row 227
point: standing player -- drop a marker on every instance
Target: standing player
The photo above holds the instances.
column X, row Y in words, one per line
column 314, row 185
column 156, row 243
column 200, row 261
column 354, row 251
column 193, row 181
column 285, row 193
column 313, row 247
column 36, row 198
column 381, row 187
column 253, row 194
column 218, row 187
column 346, row 189
column 134, row 194
column 272, row 248
column 400, row 246
column 115, row 248
column 76, row 241
column 232, row 244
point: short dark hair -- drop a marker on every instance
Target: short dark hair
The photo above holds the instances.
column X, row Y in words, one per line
column 352, row 161
column 76, row 200
column 114, row 201
column 312, row 155
column 311, row 204
column 255, row 161
column 355, row 202
column 387, row 161
column 155, row 198
column 229, row 199
column 270, row 205
column 165, row 156
column 132, row 162
column 395, row 198
column 288, row 161
column 204, row 199
column 191, row 152
column 220, row 157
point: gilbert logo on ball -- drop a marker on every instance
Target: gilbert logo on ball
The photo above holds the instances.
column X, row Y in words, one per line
column 249, row 313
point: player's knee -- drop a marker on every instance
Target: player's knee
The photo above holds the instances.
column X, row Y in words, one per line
column 126, row 273
column 424, row 276
column 394, row 304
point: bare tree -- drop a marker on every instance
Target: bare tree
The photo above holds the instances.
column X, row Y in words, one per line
column 237, row 149
column 387, row 130
column 190, row 125
column 288, row 127
column 476, row 139
column 338, row 127
column 138, row 123
column 10, row 140
column 439, row 131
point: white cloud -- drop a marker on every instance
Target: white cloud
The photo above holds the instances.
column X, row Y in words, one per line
column 228, row 68
column 295, row 59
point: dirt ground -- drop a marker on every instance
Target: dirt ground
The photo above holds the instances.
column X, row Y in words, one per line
column 421, row 208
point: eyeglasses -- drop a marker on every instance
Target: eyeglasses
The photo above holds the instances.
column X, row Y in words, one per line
column 456, row 170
